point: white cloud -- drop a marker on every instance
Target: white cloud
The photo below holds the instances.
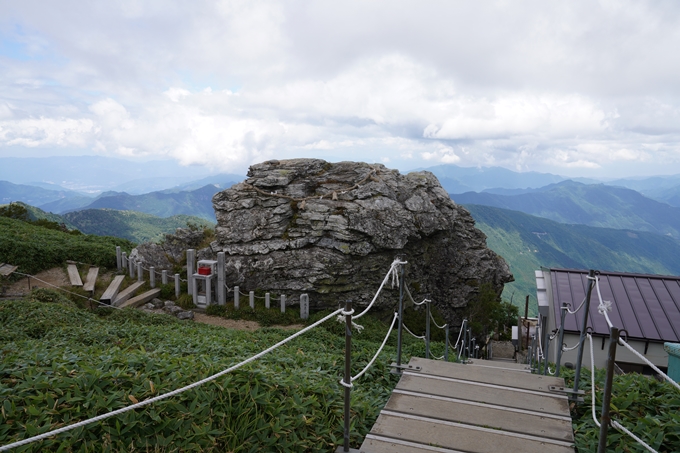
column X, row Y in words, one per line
column 227, row 83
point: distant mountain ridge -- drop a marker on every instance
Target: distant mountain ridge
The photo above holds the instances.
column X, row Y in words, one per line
column 595, row 205
column 528, row 242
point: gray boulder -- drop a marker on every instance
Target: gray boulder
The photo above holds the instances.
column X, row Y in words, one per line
column 332, row 230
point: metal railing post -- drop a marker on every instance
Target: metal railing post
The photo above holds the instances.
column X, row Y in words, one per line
column 446, row 342
column 560, row 343
column 427, row 328
column 401, row 317
column 584, row 326
column 348, row 369
column 605, row 420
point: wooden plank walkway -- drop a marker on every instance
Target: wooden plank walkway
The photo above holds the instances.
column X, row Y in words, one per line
column 141, row 299
column 112, row 291
column 483, row 407
column 91, row 279
column 6, row 269
column 73, row 275
column 127, row 293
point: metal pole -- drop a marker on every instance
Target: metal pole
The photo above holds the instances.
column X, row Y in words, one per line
column 469, row 345
column 348, row 369
column 584, row 326
column 607, row 397
column 401, row 317
column 427, row 329
column 545, row 356
column 561, row 340
column 446, row 344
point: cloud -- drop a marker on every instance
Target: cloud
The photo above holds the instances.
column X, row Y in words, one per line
column 227, row 83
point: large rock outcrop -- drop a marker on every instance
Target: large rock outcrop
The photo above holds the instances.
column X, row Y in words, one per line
column 333, row 229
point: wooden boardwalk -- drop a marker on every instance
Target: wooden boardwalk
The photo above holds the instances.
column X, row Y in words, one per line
column 483, row 407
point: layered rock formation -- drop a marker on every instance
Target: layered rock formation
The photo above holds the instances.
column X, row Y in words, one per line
column 332, row 230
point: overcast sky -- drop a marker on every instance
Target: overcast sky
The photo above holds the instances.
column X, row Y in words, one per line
column 574, row 88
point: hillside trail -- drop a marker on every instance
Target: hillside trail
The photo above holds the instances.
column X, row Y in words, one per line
column 57, row 276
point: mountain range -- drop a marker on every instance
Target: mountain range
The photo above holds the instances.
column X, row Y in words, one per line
column 588, row 204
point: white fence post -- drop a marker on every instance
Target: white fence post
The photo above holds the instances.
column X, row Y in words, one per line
column 164, row 277
column 191, row 261
column 177, row 286
column 140, row 272
column 267, row 303
column 221, row 288
column 251, row 296
column 236, row 298
column 152, row 276
column 283, row 303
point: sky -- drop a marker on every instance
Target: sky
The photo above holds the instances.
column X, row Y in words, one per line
column 578, row 88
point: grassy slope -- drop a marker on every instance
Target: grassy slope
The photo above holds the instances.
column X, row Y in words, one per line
column 63, row 364
column 528, row 242
column 134, row 226
column 34, row 248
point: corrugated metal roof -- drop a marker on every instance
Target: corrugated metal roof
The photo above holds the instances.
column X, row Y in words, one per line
column 646, row 306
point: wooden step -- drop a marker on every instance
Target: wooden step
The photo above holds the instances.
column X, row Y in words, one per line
column 91, row 279
column 73, row 275
column 112, row 291
column 127, row 293
column 6, row 269
column 142, row 298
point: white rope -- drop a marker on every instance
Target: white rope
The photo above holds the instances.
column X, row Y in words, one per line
column 395, row 277
column 67, row 291
column 414, row 335
column 620, row 427
column 564, row 348
column 592, row 381
column 665, row 376
column 577, row 310
column 379, row 350
column 408, row 293
column 604, row 305
column 460, row 332
column 169, row 394
column 435, row 322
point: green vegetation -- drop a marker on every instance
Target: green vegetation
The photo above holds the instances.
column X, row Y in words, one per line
column 645, row 406
column 490, row 314
column 36, row 216
column 595, row 205
column 35, row 248
column 134, row 226
column 528, row 243
column 61, row 364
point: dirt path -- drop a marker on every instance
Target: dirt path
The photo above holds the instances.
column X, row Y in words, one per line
column 56, row 276
column 236, row 324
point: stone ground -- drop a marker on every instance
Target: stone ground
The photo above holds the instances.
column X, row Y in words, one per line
column 58, row 277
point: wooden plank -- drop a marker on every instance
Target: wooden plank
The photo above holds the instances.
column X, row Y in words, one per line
column 112, row 291
column 456, row 436
column 489, row 375
column 491, row 416
column 378, row 444
column 91, row 279
column 142, row 298
column 127, row 293
column 73, row 275
column 485, row 393
column 6, row 269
